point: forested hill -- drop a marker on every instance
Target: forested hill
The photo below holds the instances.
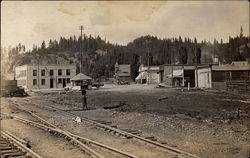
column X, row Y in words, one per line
column 99, row 56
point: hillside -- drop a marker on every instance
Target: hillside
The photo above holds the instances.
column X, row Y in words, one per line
column 99, row 56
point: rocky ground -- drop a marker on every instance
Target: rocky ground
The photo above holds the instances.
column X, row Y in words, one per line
column 206, row 123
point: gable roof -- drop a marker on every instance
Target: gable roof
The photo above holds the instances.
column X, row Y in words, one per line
column 80, row 76
column 236, row 65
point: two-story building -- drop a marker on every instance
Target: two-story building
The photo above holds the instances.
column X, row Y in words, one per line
column 149, row 74
column 44, row 76
column 122, row 73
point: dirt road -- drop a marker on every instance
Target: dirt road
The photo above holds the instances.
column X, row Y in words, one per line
column 206, row 123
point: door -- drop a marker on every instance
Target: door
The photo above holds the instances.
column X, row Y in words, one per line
column 51, row 83
column 64, row 82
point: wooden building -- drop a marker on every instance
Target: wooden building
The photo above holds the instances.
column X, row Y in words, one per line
column 149, row 74
column 204, row 79
column 233, row 75
column 122, row 73
column 178, row 73
column 35, row 76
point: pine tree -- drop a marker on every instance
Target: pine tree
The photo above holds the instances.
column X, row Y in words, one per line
column 241, row 32
column 43, row 45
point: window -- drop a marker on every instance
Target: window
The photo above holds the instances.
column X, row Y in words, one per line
column 68, row 80
column 34, row 82
column 51, row 72
column 43, row 72
column 59, row 80
column 59, row 72
column 43, row 81
column 68, row 72
column 34, row 72
column 228, row 76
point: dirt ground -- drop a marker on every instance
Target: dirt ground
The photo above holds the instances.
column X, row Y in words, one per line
column 210, row 124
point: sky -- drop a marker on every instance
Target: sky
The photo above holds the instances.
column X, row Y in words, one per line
column 30, row 22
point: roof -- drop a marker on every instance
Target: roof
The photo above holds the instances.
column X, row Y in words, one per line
column 186, row 66
column 124, row 70
column 236, row 65
column 47, row 65
column 142, row 75
column 80, row 76
column 240, row 63
column 148, row 68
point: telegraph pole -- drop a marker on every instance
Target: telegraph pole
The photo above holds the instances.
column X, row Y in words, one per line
column 38, row 78
column 172, row 68
column 148, row 53
column 196, row 65
column 148, row 67
column 81, row 28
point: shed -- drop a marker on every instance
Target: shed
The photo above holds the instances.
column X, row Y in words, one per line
column 80, row 79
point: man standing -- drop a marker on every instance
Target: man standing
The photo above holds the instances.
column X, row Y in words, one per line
column 84, row 98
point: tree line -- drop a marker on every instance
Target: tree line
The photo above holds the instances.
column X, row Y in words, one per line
column 143, row 50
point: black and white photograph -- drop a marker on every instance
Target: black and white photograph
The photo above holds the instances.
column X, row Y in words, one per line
column 125, row 79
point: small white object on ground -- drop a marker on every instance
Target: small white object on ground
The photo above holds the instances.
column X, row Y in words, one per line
column 78, row 119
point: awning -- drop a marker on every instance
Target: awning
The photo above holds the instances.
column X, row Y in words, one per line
column 142, row 75
column 80, row 77
column 176, row 74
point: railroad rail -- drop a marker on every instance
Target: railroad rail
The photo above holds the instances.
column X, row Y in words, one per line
column 12, row 146
column 74, row 139
column 125, row 134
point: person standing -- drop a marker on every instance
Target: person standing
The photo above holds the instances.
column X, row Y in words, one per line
column 84, row 98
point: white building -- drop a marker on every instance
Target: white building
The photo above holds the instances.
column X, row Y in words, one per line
column 149, row 74
column 204, row 76
column 44, row 76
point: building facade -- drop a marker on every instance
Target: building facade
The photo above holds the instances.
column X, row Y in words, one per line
column 44, row 76
column 173, row 75
column 204, row 74
column 122, row 73
column 149, row 74
column 236, row 74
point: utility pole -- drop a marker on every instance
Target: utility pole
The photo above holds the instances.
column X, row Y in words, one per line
column 148, row 42
column 196, row 64
column 38, row 78
column 172, row 68
column 81, row 28
column 148, row 67
column 183, row 79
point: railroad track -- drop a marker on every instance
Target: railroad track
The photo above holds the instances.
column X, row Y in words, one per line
column 82, row 142
column 123, row 133
column 12, row 146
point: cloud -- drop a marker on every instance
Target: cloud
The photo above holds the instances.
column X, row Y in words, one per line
column 71, row 8
column 133, row 11
column 121, row 22
column 100, row 20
